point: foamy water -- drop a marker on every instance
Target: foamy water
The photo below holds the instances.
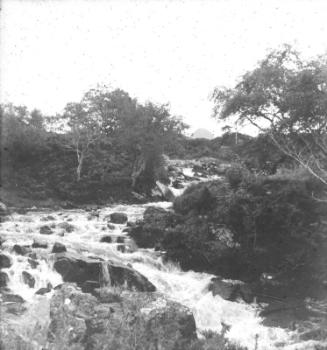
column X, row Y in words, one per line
column 189, row 288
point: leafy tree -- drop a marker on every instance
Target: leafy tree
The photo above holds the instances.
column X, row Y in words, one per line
column 84, row 131
column 285, row 97
column 21, row 138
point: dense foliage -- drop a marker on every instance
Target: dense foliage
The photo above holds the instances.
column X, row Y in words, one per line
column 242, row 229
column 286, row 98
column 104, row 146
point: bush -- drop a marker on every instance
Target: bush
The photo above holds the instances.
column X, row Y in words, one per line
column 273, row 222
column 200, row 197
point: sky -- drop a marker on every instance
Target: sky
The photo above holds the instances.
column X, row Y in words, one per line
column 164, row 51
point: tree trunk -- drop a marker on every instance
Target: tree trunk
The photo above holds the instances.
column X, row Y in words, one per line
column 80, row 158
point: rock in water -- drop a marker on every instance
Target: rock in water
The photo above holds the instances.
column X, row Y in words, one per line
column 79, row 269
column 22, row 249
column 39, row 244
column 146, row 320
column 230, row 290
column 44, row 290
column 58, row 248
column 151, row 231
column 118, row 218
column 46, row 230
column 28, row 279
column 5, row 261
column 4, row 279
column 67, row 226
column 106, row 239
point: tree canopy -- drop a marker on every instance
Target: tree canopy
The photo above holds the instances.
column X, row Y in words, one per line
column 285, row 97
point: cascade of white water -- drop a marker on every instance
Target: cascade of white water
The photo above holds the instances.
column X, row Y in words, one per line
column 189, row 288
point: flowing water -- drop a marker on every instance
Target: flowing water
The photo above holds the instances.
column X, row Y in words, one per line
column 189, row 288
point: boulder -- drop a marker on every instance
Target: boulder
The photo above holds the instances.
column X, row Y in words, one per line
column 28, row 279
column 5, row 261
column 33, row 263
column 121, row 248
column 79, row 269
column 67, row 226
column 39, row 244
column 151, row 231
column 44, row 290
column 4, row 279
column 230, row 290
column 111, row 226
column 58, row 248
column 8, row 297
column 22, row 249
column 12, row 304
column 120, row 239
column 48, row 218
column 146, row 320
column 118, row 218
column 106, row 239
column 46, row 230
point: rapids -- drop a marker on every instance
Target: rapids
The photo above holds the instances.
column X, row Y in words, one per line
column 189, row 288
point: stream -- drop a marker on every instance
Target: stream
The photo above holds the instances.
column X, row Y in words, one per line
column 189, row 288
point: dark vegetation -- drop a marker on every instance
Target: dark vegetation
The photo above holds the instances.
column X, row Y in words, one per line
column 99, row 149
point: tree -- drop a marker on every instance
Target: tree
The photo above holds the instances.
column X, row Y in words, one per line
column 84, row 131
column 286, row 98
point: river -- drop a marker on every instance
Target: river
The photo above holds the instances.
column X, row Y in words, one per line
column 189, row 288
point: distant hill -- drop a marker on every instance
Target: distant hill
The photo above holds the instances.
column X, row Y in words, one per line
column 203, row 134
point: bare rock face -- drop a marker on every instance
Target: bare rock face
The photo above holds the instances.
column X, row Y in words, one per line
column 126, row 321
column 79, row 269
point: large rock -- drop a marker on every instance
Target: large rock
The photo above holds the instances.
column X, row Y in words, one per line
column 39, row 244
column 4, row 279
column 46, row 230
column 79, row 269
column 11, row 304
column 129, row 320
column 230, row 290
column 22, row 249
column 5, row 261
column 118, row 218
column 150, row 232
column 28, row 279
column 58, row 248
column 106, row 239
column 67, row 226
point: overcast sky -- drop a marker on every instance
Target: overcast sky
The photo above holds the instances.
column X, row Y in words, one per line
column 165, row 51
